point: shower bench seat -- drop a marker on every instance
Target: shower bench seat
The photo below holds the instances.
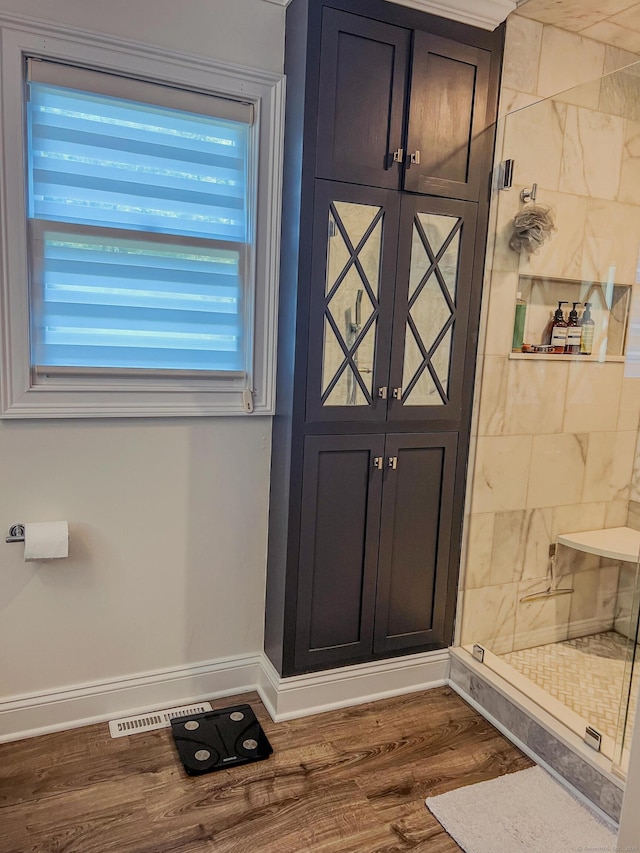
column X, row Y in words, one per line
column 617, row 543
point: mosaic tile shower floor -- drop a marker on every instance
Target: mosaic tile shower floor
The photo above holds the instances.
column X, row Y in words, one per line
column 585, row 674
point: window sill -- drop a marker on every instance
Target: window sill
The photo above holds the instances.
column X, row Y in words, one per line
column 45, row 403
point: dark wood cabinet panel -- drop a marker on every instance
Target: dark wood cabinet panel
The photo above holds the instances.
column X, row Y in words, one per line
column 363, row 77
column 338, row 548
column 433, row 291
column 447, row 118
column 415, row 538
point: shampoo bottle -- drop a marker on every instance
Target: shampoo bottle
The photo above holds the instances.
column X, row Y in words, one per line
column 518, row 324
column 558, row 339
column 574, row 332
column 587, row 328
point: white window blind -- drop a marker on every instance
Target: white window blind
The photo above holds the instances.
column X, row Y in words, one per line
column 140, row 225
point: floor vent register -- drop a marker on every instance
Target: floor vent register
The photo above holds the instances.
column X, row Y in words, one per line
column 154, row 719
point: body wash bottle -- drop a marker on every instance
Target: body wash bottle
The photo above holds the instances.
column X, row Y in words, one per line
column 558, row 337
column 587, row 328
column 574, row 332
column 518, row 324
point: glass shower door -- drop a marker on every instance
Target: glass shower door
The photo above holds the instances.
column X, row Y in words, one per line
column 628, row 624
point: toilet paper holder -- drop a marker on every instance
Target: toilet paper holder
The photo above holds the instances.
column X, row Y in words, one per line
column 16, row 533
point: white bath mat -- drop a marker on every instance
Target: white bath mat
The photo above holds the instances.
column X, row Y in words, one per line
column 523, row 812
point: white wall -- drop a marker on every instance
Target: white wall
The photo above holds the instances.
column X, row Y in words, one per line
column 168, row 517
column 244, row 32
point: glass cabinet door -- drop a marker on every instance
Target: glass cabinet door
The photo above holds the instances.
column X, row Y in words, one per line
column 351, row 302
column 431, row 308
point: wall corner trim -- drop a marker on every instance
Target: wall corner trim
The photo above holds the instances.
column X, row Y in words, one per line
column 316, row 692
column 487, row 14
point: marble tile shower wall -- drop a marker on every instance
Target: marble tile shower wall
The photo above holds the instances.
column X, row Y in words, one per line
column 556, row 441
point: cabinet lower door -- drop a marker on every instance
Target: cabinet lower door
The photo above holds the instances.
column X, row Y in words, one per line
column 340, row 523
column 415, row 541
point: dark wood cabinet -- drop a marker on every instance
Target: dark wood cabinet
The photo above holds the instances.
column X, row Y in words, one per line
column 381, row 271
column 400, row 108
column 375, row 536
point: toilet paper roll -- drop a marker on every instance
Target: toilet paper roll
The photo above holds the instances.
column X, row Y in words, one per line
column 46, row 540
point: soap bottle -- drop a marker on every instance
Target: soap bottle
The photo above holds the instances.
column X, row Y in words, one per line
column 518, row 323
column 587, row 328
column 574, row 332
column 558, row 337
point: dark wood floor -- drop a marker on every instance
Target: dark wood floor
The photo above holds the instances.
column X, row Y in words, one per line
column 349, row 781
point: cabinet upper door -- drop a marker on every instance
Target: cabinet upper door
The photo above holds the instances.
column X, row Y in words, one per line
column 447, row 133
column 351, row 305
column 431, row 313
column 363, row 78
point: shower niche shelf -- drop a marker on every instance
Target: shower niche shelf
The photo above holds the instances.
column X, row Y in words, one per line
column 609, row 302
column 616, row 543
column 544, row 356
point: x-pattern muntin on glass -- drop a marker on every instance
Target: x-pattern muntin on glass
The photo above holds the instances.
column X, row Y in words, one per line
column 434, row 269
column 354, row 261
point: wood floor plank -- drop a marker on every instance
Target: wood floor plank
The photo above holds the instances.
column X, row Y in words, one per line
column 111, row 819
column 334, row 819
column 346, row 781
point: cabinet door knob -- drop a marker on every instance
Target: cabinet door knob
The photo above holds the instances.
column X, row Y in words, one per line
column 393, row 462
column 397, row 393
column 377, row 462
column 382, row 392
column 398, row 155
column 414, row 158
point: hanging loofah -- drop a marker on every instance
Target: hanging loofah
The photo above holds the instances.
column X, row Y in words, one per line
column 532, row 227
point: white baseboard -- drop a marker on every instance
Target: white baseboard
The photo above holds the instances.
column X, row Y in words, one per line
column 302, row 695
column 285, row 698
column 95, row 702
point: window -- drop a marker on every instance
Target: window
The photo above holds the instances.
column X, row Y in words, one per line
column 145, row 285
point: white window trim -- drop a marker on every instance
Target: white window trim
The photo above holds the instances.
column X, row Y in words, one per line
column 19, row 398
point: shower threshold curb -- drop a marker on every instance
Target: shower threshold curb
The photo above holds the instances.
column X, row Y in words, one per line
column 548, row 742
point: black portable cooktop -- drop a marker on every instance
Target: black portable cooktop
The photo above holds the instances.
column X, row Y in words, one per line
column 217, row 740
